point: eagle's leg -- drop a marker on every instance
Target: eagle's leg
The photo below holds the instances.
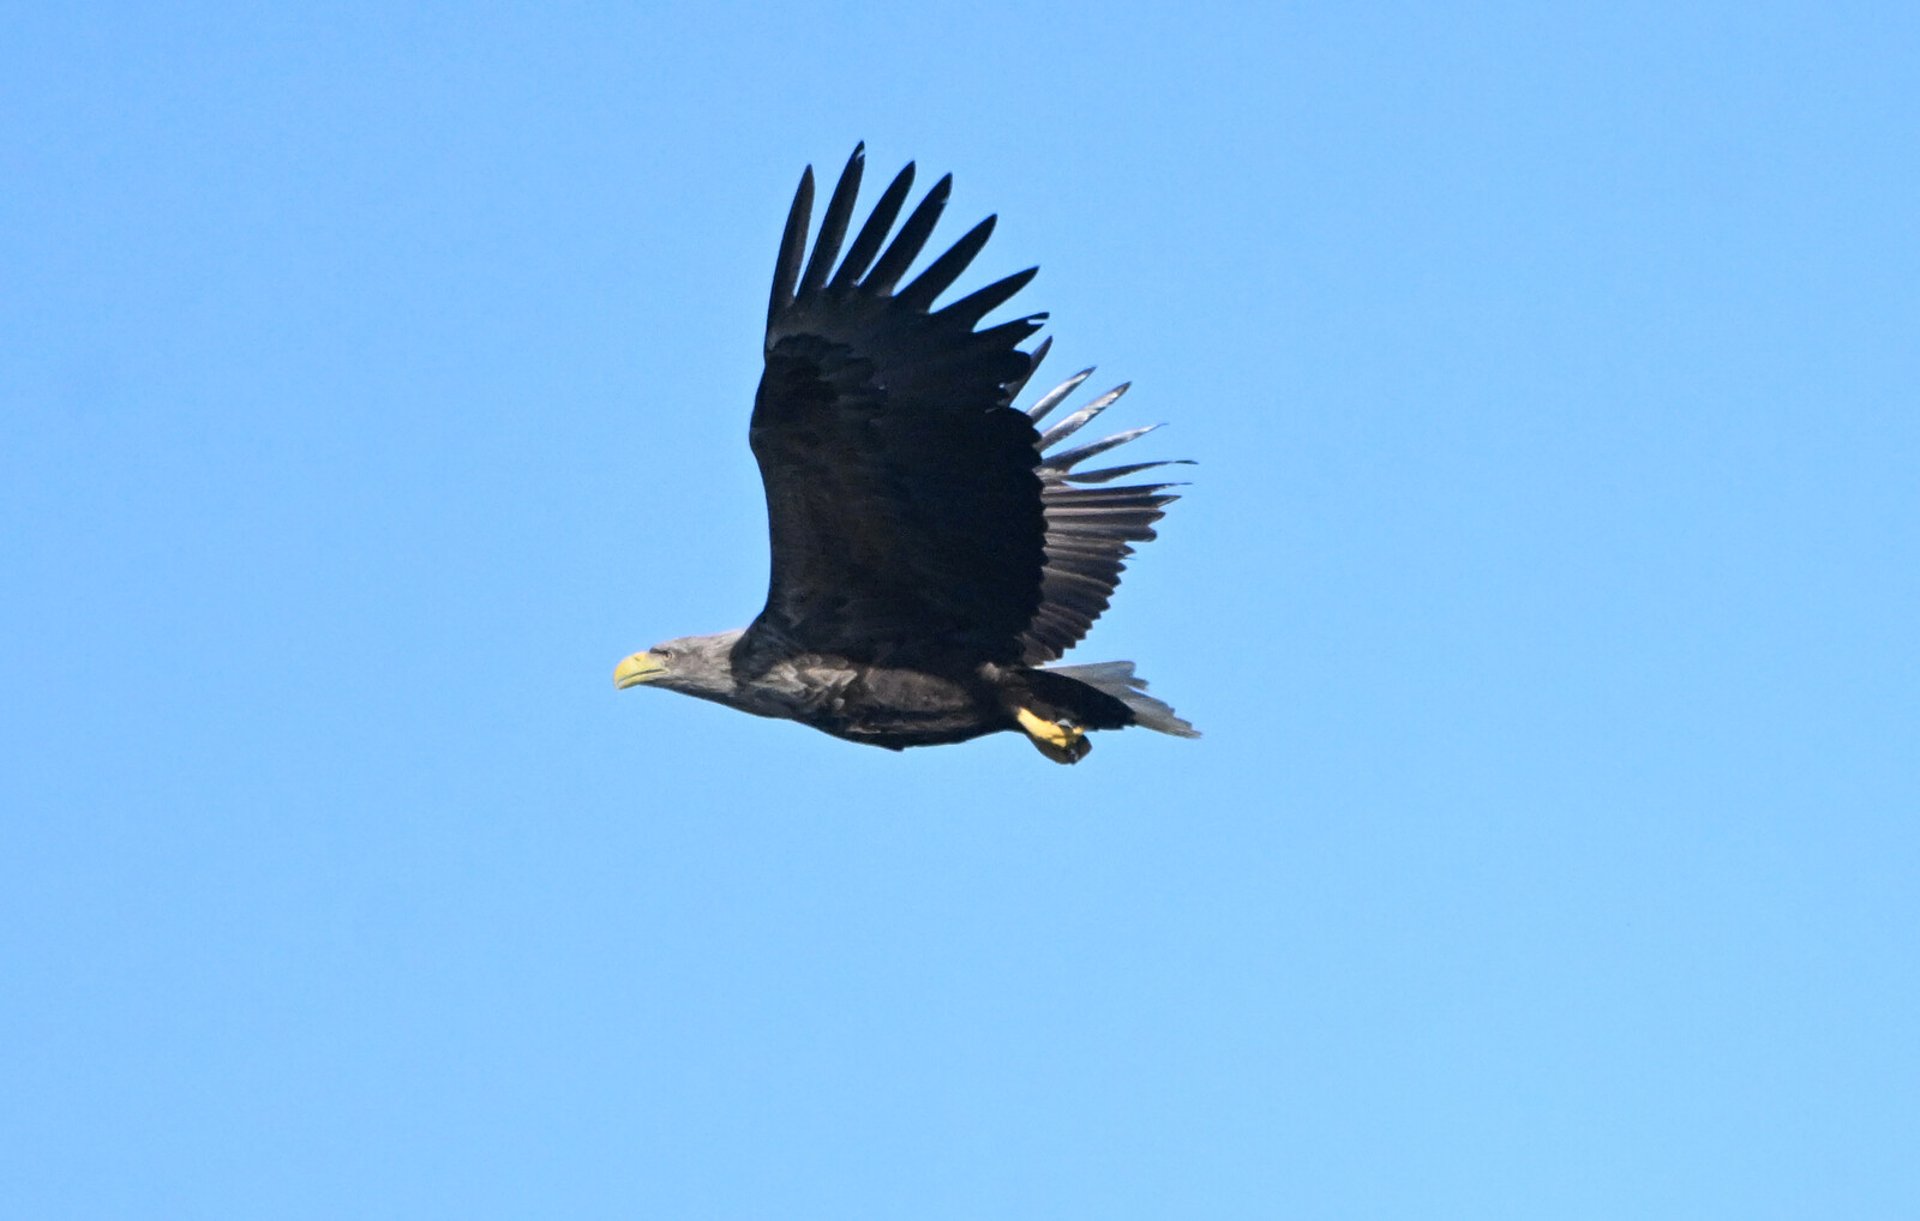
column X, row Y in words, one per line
column 1060, row 741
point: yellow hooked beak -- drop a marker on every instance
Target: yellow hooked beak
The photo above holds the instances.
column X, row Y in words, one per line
column 640, row 668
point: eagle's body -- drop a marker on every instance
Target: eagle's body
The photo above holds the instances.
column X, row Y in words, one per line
column 930, row 555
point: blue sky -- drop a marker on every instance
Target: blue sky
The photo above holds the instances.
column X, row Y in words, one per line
column 373, row 378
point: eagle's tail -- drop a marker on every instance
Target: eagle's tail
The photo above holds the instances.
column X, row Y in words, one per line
column 1116, row 680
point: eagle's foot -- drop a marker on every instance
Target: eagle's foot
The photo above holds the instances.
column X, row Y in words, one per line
column 1060, row 741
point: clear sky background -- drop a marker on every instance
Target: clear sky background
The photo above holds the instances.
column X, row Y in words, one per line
column 373, row 378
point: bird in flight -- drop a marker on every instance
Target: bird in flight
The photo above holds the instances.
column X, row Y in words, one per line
column 934, row 552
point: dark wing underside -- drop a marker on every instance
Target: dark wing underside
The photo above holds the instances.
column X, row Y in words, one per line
column 904, row 493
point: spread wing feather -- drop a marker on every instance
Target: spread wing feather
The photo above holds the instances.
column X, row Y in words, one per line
column 1090, row 530
column 915, row 517
column 904, row 503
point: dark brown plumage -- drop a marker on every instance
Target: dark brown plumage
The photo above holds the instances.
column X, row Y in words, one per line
column 929, row 553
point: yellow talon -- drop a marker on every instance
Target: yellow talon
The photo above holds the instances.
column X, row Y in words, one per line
column 1060, row 743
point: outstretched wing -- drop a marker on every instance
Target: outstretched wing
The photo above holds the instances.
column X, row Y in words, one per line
column 903, row 490
column 1090, row 530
